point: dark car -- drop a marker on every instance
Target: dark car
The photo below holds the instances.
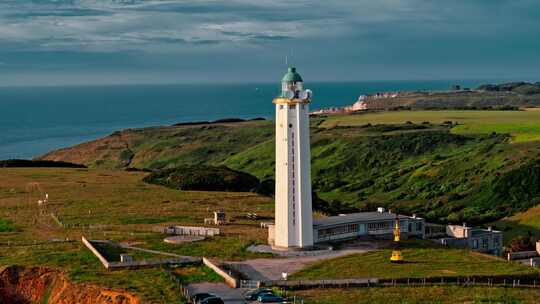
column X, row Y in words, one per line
column 212, row 300
column 253, row 295
column 270, row 298
column 197, row 298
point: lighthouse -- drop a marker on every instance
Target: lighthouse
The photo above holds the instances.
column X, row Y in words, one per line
column 293, row 227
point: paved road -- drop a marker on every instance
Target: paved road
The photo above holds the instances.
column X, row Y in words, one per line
column 229, row 295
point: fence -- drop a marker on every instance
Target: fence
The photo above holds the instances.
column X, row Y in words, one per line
column 523, row 281
column 513, row 281
column 60, row 223
column 250, row 284
column 521, row 255
column 183, row 288
column 309, row 284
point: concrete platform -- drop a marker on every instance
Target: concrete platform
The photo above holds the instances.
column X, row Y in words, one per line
column 180, row 239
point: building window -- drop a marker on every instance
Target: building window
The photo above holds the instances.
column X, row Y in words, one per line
column 281, row 107
column 485, row 243
column 344, row 229
column 290, row 125
column 379, row 226
column 496, row 242
column 291, row 107
column 475, row 244
column 303, row 107
column 419, row 226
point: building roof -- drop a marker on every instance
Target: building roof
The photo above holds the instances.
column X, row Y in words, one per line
column 357, row 217
column 292, row 76
column 479, row 232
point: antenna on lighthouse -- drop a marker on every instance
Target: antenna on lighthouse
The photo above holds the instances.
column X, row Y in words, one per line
column 290, row 53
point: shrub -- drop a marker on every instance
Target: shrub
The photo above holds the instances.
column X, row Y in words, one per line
column 204, row 178
column 6, row 226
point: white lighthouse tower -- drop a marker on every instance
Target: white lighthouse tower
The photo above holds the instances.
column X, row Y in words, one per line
column 293, row 219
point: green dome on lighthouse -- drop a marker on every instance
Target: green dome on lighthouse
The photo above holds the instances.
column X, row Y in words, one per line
column 292, row 76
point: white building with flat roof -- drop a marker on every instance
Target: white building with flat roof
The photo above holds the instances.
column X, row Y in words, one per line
column 378, row 224
column 478, row 239
column 364, row 225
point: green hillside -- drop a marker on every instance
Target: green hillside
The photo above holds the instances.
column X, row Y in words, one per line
column 474, row 166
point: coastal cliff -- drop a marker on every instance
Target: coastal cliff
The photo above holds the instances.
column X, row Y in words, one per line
column 28, row 285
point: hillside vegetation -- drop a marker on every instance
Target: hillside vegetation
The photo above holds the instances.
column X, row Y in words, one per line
column 204, row 178
column 448, row 166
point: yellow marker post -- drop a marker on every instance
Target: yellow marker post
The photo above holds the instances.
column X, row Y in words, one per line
column 396, row 253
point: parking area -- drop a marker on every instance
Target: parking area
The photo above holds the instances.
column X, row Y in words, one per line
column 229, row 295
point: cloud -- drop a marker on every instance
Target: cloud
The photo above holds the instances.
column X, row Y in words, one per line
column 358, row 38
column 136, row 24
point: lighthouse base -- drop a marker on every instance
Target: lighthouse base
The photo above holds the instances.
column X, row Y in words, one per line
column 396, row 257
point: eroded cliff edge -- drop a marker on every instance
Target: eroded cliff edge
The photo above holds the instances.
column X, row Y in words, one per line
column 28, row 285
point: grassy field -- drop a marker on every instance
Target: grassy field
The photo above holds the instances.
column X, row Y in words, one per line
column 414, row 295
column 123, row 209
column 421, row 262
column 521, row 125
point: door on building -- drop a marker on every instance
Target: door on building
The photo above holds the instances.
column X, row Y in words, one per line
column 362, row 229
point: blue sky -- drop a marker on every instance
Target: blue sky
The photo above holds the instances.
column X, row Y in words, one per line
column 57, row 42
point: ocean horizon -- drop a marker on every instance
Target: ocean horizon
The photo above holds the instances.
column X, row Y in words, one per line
column 36, row 120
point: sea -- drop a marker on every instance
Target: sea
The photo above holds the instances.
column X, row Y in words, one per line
column 35, row 120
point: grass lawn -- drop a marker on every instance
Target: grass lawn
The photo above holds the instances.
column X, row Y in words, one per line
column 420, row 262
column 411, row 295
column 126, row 210
column 522, row 125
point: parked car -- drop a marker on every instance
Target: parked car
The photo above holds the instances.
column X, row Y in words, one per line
column 270, row 298
column 253, row 295
column 212, row 300
column 197, row 298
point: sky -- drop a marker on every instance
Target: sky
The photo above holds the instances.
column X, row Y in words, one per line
column 73, row 42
